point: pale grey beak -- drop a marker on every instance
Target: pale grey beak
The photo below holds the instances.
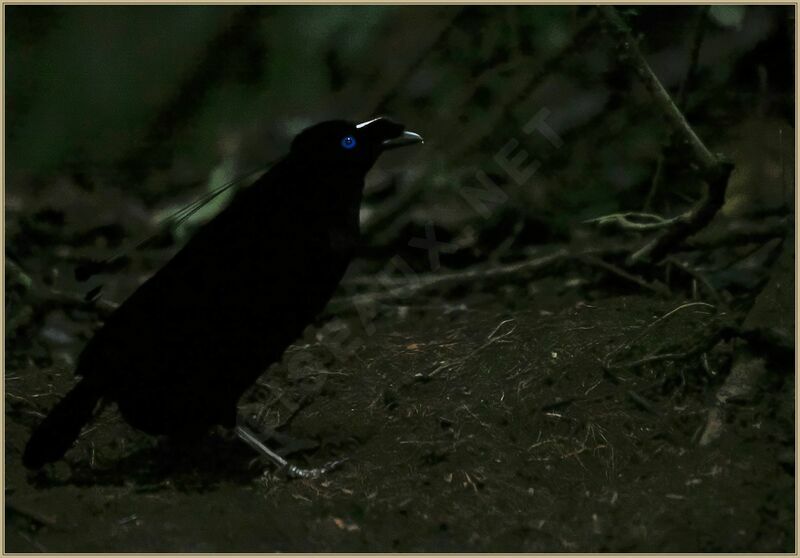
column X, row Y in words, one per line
column 406, row 138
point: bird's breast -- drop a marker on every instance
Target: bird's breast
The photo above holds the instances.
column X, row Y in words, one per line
column 342, row 240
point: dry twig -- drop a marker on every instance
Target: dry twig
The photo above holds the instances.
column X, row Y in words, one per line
column 633, row 221
column 694, row 57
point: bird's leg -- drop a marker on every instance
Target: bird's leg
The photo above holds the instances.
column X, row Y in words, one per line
column 292, row 471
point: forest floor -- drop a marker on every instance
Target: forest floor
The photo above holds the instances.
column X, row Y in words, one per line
column 486, row 426
column 556, row 412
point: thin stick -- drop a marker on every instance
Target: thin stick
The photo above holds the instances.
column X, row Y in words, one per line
column 631, row 55
column 618, row 271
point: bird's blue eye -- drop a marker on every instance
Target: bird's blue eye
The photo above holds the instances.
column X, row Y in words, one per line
column 348, row 142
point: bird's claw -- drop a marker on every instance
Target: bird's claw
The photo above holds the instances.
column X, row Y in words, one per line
column 295, row 472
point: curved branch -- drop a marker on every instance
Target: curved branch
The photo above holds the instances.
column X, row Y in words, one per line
column 713, row 170
column 632, row 221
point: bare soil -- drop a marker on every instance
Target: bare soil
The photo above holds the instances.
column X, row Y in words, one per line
column 483, row 425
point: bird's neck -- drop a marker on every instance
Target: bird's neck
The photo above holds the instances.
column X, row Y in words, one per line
column 328, row 189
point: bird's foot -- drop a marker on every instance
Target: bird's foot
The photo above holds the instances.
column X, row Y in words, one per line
column 295, row 472
column 292, row 471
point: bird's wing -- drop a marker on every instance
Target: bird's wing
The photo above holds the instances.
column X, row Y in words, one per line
column 179, row 309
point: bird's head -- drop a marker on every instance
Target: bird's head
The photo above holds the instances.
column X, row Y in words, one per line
column 356, row 146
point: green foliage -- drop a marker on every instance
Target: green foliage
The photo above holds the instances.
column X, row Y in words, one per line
column 728, row 16
column 91, row 85
column 125, row 87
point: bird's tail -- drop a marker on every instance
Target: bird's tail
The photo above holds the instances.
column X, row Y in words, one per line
column 55, row 435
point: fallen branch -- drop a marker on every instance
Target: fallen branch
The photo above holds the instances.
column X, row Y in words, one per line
column 657, row 288
column 399, row 288
column 527, row 269
column 713, row 170
column 740, row 234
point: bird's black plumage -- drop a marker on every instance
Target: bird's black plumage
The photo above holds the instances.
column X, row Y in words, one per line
column 180, row 351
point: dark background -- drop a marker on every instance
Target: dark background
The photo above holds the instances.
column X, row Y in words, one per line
column 118, row 116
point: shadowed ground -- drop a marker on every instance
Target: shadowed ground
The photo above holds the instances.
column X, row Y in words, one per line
column 517, row 442
column 596, row 356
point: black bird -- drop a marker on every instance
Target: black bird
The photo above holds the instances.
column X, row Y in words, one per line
column 178, row 354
